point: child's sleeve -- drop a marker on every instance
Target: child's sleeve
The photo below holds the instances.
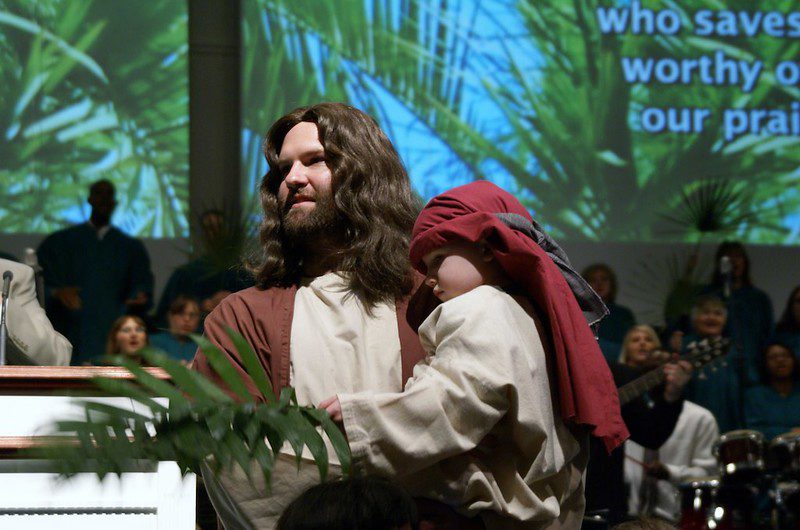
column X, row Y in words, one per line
column 449, row 405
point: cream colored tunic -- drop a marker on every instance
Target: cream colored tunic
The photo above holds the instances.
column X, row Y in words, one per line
column 336, row 346
column 476, row 426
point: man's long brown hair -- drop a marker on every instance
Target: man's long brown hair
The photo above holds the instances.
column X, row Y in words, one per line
column 371, row 195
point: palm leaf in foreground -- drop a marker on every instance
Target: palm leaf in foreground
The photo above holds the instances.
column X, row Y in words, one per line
column 201, row 426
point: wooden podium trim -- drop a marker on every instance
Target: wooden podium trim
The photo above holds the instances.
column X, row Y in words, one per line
column 46, row 380
column 9, row 445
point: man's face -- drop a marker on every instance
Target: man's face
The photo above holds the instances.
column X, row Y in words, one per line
column 710, row 321
column 457, row 268
column 102, row 200
column 304, row 194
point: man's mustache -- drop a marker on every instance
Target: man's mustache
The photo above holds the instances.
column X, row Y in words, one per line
column 294, row 198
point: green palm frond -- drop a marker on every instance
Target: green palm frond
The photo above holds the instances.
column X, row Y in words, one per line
column 78, row 102
column 711, row 207
column 201, row 426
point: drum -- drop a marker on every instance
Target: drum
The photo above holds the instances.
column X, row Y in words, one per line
column 740, row 455
column 709, row 504
column 783, row 456
column 785, row 514
column 697, row 502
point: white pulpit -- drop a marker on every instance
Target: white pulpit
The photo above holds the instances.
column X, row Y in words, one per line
column 33, row 496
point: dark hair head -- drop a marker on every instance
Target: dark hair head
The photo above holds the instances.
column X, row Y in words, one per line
column 602, row 267
column 788, row 323
column 100, row 184
column 725, row 249
column 363, row 503
column 372, row 197
column 111, row 340
column 179, row 304
column 762, row 361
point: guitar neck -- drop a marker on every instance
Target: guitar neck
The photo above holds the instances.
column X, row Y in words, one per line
column 698, row 354
column 630, row 391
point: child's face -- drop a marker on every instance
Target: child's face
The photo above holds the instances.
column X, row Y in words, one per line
column 457, row 268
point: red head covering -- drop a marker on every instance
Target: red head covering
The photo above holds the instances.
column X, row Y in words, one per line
column 586, row 389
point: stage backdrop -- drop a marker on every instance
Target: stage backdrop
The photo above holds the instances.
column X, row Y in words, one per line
column 627, row 121
column 93, row 89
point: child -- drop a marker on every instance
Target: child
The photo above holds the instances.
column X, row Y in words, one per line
column 489, row 423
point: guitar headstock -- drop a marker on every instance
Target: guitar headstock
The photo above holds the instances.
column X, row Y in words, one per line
column 705, row 351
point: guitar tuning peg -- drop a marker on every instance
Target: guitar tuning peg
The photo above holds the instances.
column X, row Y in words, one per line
column 713, row 368
column 702, row 375
column 724, row 363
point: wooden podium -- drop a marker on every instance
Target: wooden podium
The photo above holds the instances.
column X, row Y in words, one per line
column 32, row 495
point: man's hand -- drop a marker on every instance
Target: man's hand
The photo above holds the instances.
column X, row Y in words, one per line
column 657, row 470
column 69, row 297
column 333, row 408
column 677, row 374
column 139, row 300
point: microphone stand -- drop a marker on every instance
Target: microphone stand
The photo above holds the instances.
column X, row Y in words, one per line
column 3, row 329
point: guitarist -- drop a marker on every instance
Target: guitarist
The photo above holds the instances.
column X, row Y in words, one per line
column 652, row 476
column 650, row 423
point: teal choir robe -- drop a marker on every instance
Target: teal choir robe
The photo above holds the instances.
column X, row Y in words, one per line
column 719, row 388
column 108, row 272
column 769, row 412
column 750, row 324
column 615, row 326
column 173, row 346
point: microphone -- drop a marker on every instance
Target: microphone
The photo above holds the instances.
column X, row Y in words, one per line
column 726, row 269
column 7, row 277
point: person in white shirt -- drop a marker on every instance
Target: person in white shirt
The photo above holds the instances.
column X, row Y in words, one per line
column 653, row 477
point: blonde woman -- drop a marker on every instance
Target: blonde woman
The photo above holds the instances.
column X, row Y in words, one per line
column 641, row 348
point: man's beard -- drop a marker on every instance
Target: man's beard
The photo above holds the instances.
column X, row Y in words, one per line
column 323, row 222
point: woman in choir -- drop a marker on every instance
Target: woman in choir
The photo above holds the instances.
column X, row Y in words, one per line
column 774, row 406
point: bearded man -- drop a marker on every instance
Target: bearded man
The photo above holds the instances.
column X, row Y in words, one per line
column 327, row 315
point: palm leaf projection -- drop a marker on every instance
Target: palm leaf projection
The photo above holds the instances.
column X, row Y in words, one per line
column 569, row 138
column 299, row 52
column 201, row 426
column 91, row 90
